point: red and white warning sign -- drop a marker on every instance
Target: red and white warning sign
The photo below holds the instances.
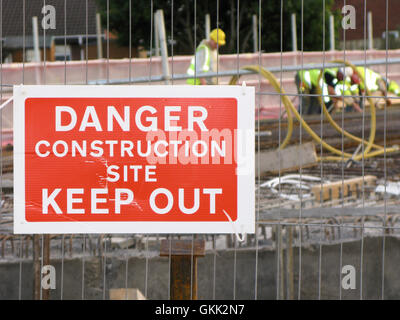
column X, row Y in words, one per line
column 134, row 159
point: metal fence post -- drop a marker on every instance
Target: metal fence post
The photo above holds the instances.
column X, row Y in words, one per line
column 370, row 32
column 294, row 32
column 332, row 32
column 255, row 36
column 99, row 37
column 156, row 36
column 35, row 31
column 207, row 25
column 160, row 27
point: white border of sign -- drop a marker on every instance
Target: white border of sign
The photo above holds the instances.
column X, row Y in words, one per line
column 246, row 182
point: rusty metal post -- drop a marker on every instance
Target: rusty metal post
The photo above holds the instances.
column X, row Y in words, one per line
column 184, row 254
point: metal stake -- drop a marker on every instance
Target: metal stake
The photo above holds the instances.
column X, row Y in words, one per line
column 183, row 279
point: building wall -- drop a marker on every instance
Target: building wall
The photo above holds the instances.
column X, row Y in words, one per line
column 115, row 52
column 378, row 9
column 17, row 55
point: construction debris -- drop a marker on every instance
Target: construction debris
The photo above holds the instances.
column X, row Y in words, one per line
column 300, row 183
column 288, row 159
column 392, row 188
column 342, row 188
column 126, row 294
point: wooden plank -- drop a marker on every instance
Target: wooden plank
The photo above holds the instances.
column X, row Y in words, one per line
column 287, row 159
column 182, row 248
column 126, row 294
column 333, row 190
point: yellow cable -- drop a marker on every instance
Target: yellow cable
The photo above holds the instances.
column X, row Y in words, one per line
column 370, row 143
column 334, row 124
column 291, row 109
column 284, row 99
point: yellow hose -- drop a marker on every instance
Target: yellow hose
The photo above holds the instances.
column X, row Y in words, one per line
column 339, row 129
column 361, row 156
column 290, row 109
column 286, row 101
column 370, row 143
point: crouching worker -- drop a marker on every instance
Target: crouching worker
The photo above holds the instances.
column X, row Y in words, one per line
column 377, row 85
column 306, row 83
column 342, row 91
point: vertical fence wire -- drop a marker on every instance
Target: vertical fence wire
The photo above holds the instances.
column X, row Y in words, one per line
column 130, row 79
column 62, row 267
column 44, row 82
column 104, row 236
column 195, row 68
column 237, row 69
column 44, row 49
column 278, row 227
column 342, row 166
column 86, row 82
column 301, row 160
column 104, row 265
column 1, row 116
column 65, row 83
column 321, row 153
column 130, row 40
column 362, row 150
column 108, row 41
column 384, row 153
column 258, row 173
column 213, row 237
column 171, row 236
column 151, row 56
column 1, row 111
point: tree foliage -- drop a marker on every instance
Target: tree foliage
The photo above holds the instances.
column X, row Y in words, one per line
column 186, row 23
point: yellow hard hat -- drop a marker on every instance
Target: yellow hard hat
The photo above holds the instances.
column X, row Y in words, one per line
column 218, row 36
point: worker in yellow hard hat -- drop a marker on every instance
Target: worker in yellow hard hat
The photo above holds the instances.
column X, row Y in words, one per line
column 205, row 59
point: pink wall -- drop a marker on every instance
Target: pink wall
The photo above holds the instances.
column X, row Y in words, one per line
column 75, row 72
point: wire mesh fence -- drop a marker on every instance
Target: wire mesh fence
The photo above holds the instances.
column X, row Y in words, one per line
column 324, row 230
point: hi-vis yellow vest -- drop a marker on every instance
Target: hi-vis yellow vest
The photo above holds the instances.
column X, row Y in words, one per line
column 206, row 66
column 309, row 79
column 370, row 78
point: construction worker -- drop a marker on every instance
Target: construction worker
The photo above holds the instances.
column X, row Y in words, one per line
column 394, row 88
column 341, row 89
column 205, row 59
column 307, row 84
column 377, row 83
column 373, row 80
